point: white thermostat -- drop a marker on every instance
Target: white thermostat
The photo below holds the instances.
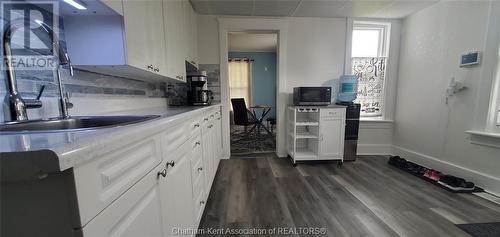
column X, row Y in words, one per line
column 470, row 59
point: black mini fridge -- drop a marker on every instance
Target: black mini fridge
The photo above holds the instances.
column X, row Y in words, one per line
column 351, row 130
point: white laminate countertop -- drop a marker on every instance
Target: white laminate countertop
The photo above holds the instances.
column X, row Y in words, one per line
column 75, row 147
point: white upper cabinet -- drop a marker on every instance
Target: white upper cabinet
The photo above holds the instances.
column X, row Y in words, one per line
column 174, row 23
column 144, row 34
column 190, row 34
column 115, row 5
column 145, row 40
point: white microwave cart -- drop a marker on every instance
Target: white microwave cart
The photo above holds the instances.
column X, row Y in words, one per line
column 316, row 133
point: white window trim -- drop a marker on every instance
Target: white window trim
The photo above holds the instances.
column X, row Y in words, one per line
column 385, row 45
column 485, row 130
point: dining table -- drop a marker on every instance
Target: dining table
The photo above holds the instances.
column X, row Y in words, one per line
column 259, row 117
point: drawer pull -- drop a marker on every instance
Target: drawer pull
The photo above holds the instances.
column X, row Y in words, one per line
column 210, row 126
column 162, row 173
column 211, row 116
column 202, row 203
column 205, row 119
column 200, row 169
column 197, row 143
column 197, row 125
column 170, row 163
column 218, row 118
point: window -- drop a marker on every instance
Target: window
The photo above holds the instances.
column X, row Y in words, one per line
column 240, row 79
column 369, row 59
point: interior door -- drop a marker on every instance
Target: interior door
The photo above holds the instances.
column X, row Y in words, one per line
column 331, row 138
column 176, row 191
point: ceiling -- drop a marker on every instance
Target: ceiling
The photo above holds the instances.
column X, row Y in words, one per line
column 242, row 41
column 312, row 8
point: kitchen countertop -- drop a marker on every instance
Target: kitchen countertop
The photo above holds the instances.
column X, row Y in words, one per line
column 72, row 148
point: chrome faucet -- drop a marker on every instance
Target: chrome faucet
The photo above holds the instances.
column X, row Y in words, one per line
column 14, row 105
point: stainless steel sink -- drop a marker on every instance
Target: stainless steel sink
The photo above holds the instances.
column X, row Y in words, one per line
column 71, row 124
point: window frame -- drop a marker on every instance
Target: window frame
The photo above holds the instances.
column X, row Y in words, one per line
column 383, row 51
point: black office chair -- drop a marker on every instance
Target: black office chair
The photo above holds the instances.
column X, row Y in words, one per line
column 240, row 115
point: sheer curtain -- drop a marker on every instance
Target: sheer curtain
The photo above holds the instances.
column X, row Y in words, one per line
column 240, row 79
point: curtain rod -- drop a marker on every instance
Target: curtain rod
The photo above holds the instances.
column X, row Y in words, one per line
column 240, row 59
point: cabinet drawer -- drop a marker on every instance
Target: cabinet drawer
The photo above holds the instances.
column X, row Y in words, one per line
column 136, row 213
column 332, row 113
column 175, row 136
column 101, row 181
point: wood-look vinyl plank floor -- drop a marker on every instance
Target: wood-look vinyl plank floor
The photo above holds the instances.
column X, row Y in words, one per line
column 362, row 198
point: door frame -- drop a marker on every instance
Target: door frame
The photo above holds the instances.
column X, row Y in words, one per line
column 279, row 26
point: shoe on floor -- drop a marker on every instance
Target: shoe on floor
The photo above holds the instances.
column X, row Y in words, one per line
column 456, row 184
column 428, row 173
column 435, row 175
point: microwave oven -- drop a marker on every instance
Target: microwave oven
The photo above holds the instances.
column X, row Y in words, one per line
column 312, row 95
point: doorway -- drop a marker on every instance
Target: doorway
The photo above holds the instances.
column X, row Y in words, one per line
column 252, row 81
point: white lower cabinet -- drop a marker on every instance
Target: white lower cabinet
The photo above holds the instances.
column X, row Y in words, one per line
column 136, row 213
column 315, row 133
column 167, row 201
column 176, row 192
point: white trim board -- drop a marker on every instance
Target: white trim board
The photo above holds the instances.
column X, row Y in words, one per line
column 480, row 179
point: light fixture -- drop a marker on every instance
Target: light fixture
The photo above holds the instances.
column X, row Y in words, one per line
column 75, row 4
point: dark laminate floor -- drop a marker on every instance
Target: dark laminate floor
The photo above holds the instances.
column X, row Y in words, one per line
column 364, row 198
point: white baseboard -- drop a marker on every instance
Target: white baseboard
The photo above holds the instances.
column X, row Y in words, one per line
column 374, row 149
column 489, row 183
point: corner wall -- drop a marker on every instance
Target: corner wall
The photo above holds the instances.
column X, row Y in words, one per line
column 426, row 129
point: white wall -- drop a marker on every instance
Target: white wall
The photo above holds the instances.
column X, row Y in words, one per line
column 315, row 55
column 426, row 129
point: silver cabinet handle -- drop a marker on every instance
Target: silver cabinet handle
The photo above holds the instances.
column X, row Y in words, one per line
column 197, row 125
column 197, row 143
column 150, row 66
column 202, row 203
column 200, row 169
column 170, row 163
column 162, row 173
column 157, row 69
column 211, row 116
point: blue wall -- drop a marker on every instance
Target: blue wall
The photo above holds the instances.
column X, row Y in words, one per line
column 263, row 81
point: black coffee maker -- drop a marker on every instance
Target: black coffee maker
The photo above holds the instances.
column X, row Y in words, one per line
column 198, row 92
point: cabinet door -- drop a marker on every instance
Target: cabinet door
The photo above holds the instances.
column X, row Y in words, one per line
column 207, row 155
column 176, row 192
column 190, row 28
column 158, row 52
column 136, row 213
column 144, row 36
column 331, row 143
column 174, row 23
column 116, row 5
